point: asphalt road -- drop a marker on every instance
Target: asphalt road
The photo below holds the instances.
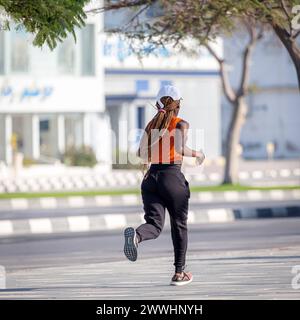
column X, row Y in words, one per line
column 248, row 259
column 107, row 246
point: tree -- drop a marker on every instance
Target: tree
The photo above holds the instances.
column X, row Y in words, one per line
column 180, row 23
column 173, row 22
column 237, row 99
column 204, row 19
column 49, row 20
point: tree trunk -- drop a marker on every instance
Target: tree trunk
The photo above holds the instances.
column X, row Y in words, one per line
column 232, row 141
column 291, row 46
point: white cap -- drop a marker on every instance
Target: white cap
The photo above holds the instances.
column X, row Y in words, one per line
column 169, row 91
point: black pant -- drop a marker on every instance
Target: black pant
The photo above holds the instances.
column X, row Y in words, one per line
column 164, row 186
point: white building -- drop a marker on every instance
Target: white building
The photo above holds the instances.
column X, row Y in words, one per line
column 75, row 94
column 274, row 102
column 52, row 100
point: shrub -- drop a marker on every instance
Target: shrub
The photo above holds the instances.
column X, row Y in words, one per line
column 83, row 156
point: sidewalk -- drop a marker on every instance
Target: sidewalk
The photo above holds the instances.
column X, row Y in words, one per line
column 60, row 178
column 259, row 274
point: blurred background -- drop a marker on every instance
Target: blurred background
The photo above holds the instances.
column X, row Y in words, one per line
column 85, row 103
column 71, row 119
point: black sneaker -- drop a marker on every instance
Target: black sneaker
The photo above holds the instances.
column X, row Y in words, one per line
column 131, row 244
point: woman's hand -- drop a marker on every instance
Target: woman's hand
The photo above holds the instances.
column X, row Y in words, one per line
column 199, row 157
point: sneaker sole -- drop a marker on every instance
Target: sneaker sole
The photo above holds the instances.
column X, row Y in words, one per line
column 181, row 283
column 130, row 249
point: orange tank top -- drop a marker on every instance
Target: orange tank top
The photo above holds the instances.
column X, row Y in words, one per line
column 164, row 151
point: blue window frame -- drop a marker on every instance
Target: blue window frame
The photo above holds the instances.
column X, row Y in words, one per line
column 141, row 85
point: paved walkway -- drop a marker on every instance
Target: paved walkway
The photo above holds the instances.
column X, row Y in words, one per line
column 259, row 274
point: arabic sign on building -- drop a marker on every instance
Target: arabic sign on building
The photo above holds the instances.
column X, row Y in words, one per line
column 9, row 94
column 50, row 95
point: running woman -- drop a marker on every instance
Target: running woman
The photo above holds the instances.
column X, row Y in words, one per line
column 163, row 146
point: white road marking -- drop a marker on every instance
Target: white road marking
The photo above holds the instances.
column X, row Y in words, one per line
column 40, row 225
column 219, row 215
column 48, row 203
column 115, row 221
column 80, row 223
column 296, row 194
column 191, row 217
column 205, row 196
column 76, row 202
column 130, row 199
column 19, row 204
column 103, row 200
column 231, row 195
column 6, row 227
column 254, row 194
column 276, row 194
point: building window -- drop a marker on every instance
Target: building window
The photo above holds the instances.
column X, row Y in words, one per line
column 19, row 52
column 66, row 56
column 44, row 125
column 140, row 117
column 1, row 52
column 88, row 50
column 141, row 85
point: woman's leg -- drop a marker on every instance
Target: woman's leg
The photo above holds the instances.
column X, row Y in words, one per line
column 154, row 209
column 154, row 216
column 180, row 240
column 176, row 193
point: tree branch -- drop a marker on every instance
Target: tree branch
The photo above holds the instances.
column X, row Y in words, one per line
column 246, row 58
column 121, row 4
column 228, row 91
column 294, row 36
column 137, row 14
column 291, row 46
column 285, row 10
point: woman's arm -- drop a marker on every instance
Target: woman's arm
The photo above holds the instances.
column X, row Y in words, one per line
column 180, row 142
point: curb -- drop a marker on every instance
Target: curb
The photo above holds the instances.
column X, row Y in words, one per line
column 134, row 199
column 91, row 180
column 101, row 222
